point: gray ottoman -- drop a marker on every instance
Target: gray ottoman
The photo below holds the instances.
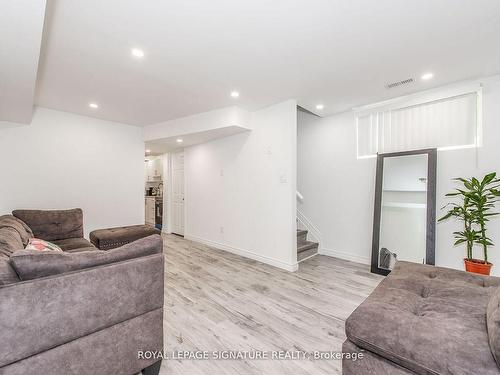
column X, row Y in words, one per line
column 428, row 320
column 110, row 238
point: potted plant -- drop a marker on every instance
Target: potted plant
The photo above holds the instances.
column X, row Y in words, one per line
column 476, row 200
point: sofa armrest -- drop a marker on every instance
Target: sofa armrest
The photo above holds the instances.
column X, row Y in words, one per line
column 53, row 225
column 40, row 314
column 33, row 264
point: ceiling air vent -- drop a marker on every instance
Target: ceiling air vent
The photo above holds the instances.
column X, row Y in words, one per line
column 400, row 83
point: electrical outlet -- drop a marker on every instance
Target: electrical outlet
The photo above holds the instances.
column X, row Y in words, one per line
column 221, row 230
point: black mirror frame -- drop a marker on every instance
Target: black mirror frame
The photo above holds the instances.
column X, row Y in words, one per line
column 431, row 206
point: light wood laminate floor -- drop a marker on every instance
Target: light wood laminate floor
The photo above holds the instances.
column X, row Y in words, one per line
column 215, row 300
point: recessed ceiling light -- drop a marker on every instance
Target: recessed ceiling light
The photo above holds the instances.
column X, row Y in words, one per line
column 137, row 52
column 235, row 94
column 427, row 76
column 94, row 105
column 148, row 150
column 320, row 106
column 179, row 140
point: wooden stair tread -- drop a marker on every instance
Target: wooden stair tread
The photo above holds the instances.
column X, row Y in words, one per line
column 306, row 245
column 306, row 254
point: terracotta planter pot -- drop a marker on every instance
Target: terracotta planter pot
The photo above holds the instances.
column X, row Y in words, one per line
column 477, row 266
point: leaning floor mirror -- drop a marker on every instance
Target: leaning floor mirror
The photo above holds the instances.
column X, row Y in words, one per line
column 405, row 209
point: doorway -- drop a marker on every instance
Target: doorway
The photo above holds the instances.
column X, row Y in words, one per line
column 178, row 193
column 154, row 175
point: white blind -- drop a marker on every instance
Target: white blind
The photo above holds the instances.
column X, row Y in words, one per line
column 450, row 122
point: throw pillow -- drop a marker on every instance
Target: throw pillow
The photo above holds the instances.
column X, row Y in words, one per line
column 41, row 245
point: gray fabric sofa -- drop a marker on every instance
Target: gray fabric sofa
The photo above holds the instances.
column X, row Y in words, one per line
column 426, row 320
column 91, row 312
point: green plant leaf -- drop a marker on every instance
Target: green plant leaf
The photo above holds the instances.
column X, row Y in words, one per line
column 488, row 178
column 447, row 216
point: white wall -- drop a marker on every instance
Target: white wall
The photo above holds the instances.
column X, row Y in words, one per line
column 339, row 189
column 63, row 160
column 240, row 190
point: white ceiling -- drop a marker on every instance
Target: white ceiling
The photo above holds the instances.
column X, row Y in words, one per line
column 336, row 52
column 21, row 25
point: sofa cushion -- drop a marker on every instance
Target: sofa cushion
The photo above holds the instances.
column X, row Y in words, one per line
column 24, row 231
column 53, row 224
column 428, row 319
column 34, row 264
column 70, row 244
column 493, row 324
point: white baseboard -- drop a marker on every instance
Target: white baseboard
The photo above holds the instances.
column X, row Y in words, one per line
column 346, row 256
column 245, row 253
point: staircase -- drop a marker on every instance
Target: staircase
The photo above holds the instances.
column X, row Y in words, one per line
column 305, row 248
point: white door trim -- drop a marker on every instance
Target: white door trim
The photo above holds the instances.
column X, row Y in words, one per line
column 167, row 194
